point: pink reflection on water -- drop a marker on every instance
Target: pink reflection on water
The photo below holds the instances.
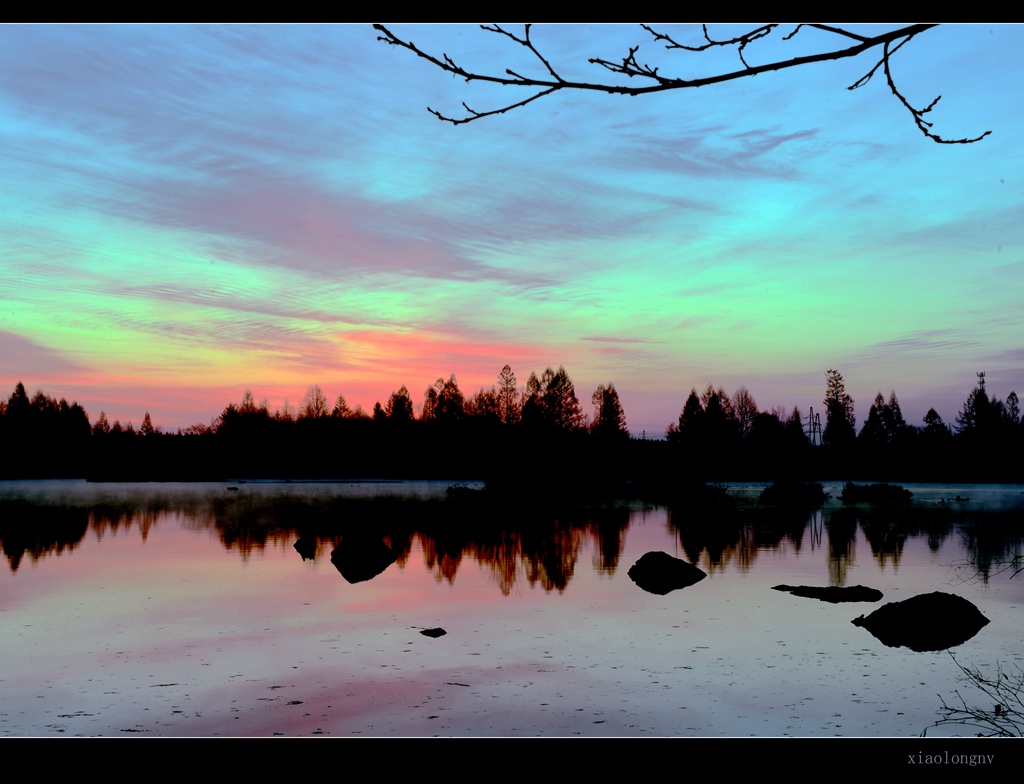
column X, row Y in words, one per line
column 172, row 634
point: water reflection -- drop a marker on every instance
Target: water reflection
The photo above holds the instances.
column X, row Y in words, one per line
column 39, row 530
column 197, row 610
column 734, row 537
column 532, row 542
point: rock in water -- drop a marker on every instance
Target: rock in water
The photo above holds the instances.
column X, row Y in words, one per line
column 436, row 632
column 306, row 547
column 833, row 594
column 660, row 573
column 360, row 558
column 929, row 622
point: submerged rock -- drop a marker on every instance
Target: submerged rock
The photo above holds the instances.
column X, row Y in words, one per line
column 436, row 632
column 360, row 558
column 833, row 594
column 659, row 573
column 929, row 622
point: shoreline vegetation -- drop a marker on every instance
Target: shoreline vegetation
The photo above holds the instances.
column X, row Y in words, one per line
column 534, row 439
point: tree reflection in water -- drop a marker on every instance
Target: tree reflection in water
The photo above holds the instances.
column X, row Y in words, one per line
column 536, row 541
column 265, row 601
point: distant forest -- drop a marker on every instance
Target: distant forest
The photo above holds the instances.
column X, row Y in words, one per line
column 536, row 437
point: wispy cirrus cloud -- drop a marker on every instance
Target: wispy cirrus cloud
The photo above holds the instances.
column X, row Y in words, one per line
column 22, row 357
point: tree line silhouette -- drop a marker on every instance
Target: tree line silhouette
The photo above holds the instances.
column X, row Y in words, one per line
column 531, row 437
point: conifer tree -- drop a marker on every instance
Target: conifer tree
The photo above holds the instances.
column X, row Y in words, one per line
column 102, row 426
column 508, row 396
column 609, row 418
column 840, row 425
column 874, row 430
column 341, row 408
column 451, row 403
column 399, row 407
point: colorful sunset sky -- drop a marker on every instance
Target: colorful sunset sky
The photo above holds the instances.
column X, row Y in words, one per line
column 190, row 211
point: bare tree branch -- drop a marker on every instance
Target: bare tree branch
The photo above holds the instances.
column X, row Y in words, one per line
column 890, row 42
column 740, row 42
column 1003, row 692
column 525, row 41
column 918, row 114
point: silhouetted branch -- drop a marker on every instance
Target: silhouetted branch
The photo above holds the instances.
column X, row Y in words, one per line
column 740, row 42
column 1004, row 693
column 917, row 114
column 525, row 41
column 630, row 67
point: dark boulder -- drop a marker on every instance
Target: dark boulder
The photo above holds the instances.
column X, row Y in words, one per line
column 436, row 632
column 929, row 622
column 306, row 547
column 660, row 573
column 833, row 594
column 360, row 558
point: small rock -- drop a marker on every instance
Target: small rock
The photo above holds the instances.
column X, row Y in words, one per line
column 833, row 594
column 436, row 632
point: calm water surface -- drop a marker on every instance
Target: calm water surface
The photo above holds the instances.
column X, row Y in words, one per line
column 187, row 610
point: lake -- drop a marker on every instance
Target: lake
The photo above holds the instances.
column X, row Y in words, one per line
column 188, row 610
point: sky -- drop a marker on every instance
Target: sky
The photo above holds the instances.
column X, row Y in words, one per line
column 190, row 211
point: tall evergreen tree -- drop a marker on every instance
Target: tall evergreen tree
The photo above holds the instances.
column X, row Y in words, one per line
column 451, row 403
column 102, row 426
column 550, row 402
column 609, row 418
column 560, row 401
column 720, row 424
column 895, row 424
column 341, row 409
column 1013, row 410
column 935, row 430
column 18, row 405
column 976, row 416
column 691, row 421
column 532, row 409
column 429, row 404
column 840, row 424
column 248, row 405
column 399, row 408
column 874, row 430
column 508, row 396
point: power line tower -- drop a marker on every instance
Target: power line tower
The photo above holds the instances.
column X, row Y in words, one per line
column 814, row 428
